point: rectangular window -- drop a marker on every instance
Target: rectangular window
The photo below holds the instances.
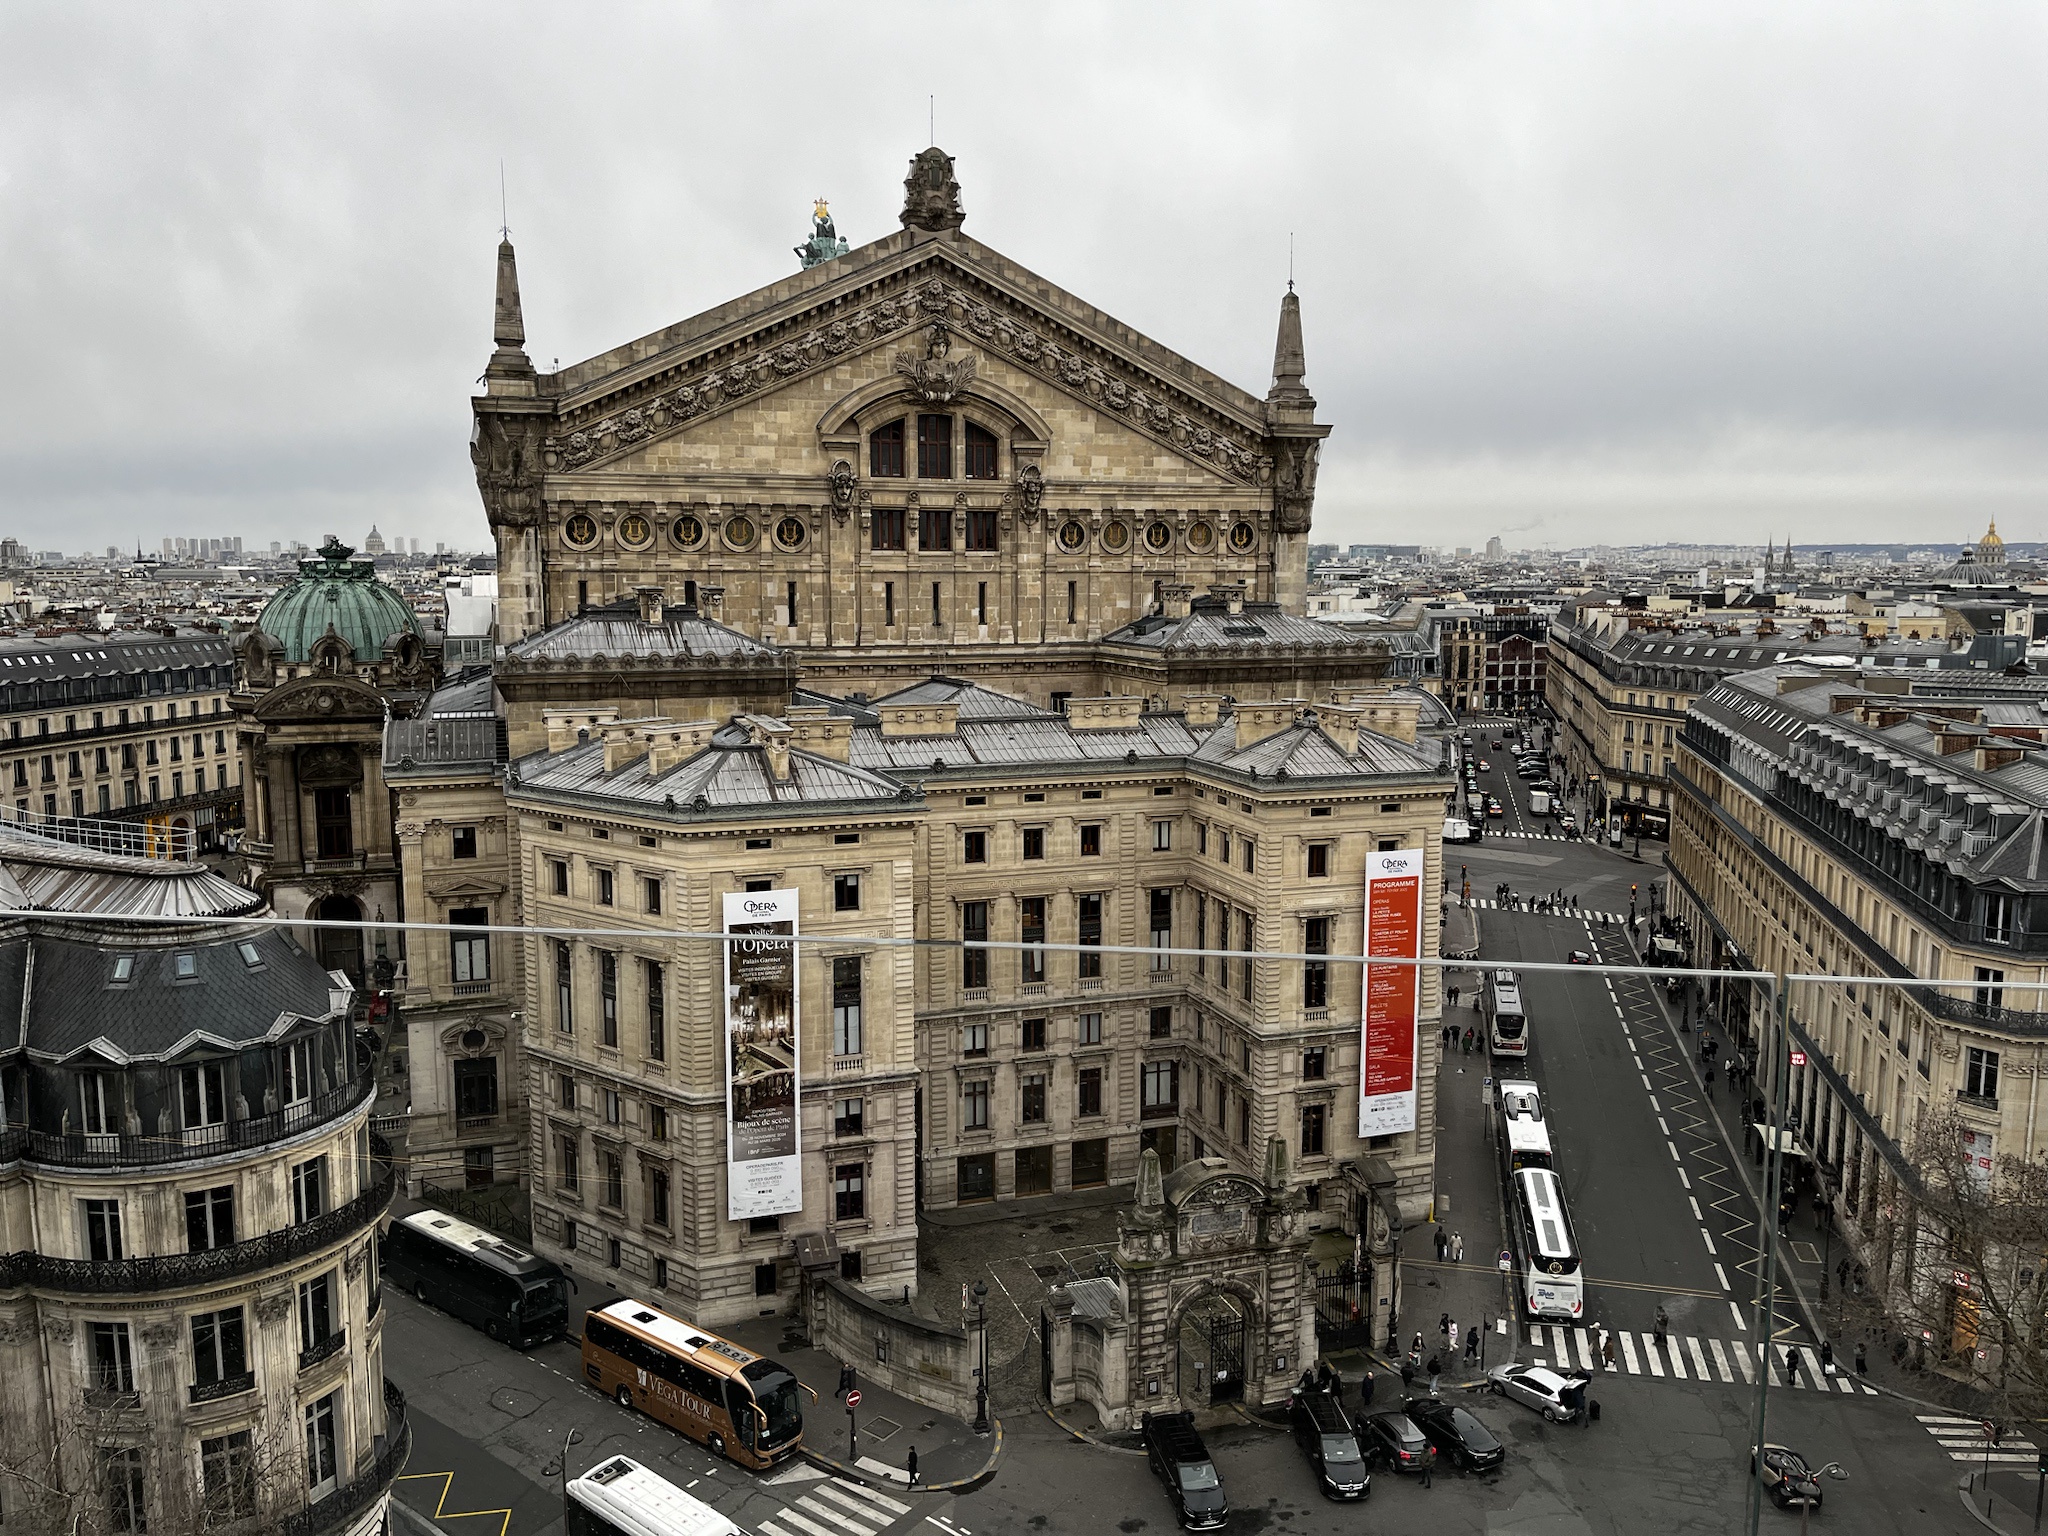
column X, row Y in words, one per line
column 469, row 953
column 1315, row 974
column 462, row 842
column 1090, row 1029
column 937, row 621
column 1091, row 840
column 981, row 538
column 316, row 1311
column 323, row 1444
column 1034, row 842
column 935, row 447
column 974, row 1038
column 209, row 1218
column 103, row 1230
column 1159, row 905
column 227, row 1472
column 100, row 1101
column 935, row 532
column 847, row 1036
column 604, row 887
column 885, row 452
column 1314, row 1063
column 565, row 990
column 1201, row 933
column 1250, row 862
column 565, row 1092
column 476, row 1087
column 309, row 1189
column 1318, row 861
column 657, row 1123
column 981, row 452
column 1088, row 911
column 846, row 893
column 560, row 869
column 333, row 822
column 973, row 930
column 219, row 1347
column 1312, row 1118
column 657, row 1196
column 1162, row 836
column 1031, row 1103
column 974, row 1106
column 1031, row 930
column 1160, row 1024
column 1031, row 1036
column 848, row 1116
column 886, row 532
column 569, row 1160
column 1245, row 943
column 850, row 1192
column 205, row 1096
column 613, row 1166
column 1980, row 1073
column 113, row 1358
column 121, row 1477
column 974, row 847
column 608, row 996
column 654, row 977
column 1159, row 1087
column 1088, row 1091
column 650, row 895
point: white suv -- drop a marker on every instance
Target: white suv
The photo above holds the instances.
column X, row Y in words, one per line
column 1559, row 1399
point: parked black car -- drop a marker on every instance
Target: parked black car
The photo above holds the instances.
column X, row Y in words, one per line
column 1459, row 1438
column 1325, row 1438
column 1390, row 1438
column 1182, row 1462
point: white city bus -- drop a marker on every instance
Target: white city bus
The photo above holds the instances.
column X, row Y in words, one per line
column 1507, row 1027
column 1525, row 1139
column 619, row 1497
column 1552, row 1287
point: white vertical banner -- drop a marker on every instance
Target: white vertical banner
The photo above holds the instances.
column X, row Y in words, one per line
column 1387, row 1048
column 763, row 1173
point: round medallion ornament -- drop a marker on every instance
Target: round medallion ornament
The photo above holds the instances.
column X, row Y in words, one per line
column 739, row 532
column 1158, row 536
column 1243, row 536
column 634, row 530
column 1115, row 537
column 686, row 532
column 580, row 531
column 1200, row 537
column 1072, row 535
column 790, row 533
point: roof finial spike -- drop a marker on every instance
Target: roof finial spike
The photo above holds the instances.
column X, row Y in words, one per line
column 1290, row 261
column 1289, row 364
column 504, row 215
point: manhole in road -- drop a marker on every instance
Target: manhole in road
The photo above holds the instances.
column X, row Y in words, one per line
column 880, row 1429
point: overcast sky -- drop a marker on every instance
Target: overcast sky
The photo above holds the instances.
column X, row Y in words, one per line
column 1569, row 273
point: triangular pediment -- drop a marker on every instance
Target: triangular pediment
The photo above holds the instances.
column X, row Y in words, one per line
column 886, row 301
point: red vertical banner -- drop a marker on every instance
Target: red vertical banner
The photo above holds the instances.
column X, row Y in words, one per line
column 1393, row 930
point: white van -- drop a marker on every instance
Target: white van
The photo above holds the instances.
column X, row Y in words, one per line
column 1539, row 802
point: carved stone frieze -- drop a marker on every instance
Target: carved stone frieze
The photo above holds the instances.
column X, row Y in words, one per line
column 273, row 1308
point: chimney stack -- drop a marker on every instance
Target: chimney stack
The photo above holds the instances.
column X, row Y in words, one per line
column 650, row 604
column 1174, row 598
column 1232, row 593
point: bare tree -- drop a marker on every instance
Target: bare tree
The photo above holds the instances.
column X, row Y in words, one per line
column 1967, row 1292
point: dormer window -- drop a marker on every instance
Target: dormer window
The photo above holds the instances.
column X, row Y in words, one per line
column 185, row 967
column 251, row 955
column 885, row 450
column 124, row 969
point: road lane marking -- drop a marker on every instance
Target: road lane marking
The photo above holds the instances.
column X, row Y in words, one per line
column 1683, row 1178
column 1676, row 1357
column 1699, row 1360
column 1650, row 1354
column 1739, row 1323
column 1585, row 1349
column 1746, row 1364
column 1695, row 1199
column 1720, row 1361
column 1722, row 1275
column 1707, row 1238
column 1666, row 1130
column 1628, row 1353
column 1673, row 1151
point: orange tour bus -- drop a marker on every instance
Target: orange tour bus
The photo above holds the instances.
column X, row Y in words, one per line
column 740, row 1404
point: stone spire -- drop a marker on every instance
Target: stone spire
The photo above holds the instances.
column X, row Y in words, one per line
column 931, row 197
column 1289, row 364
column 511, row 371
column 1771, row 557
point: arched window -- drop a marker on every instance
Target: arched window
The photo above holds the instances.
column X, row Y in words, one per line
column 885, row 449
column 981, row 452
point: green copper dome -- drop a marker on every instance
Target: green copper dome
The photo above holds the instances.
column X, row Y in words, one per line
column 333, row 590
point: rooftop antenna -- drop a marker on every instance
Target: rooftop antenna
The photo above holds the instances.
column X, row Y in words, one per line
column 931, row 117
column 504, row 218
column 1290, row 261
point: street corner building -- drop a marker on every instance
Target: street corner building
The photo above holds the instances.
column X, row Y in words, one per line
column 918, row 593
column 189, row 1309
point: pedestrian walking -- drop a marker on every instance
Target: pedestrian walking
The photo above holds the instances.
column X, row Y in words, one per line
column 1443, row 1245
column 1443, row 1325
column 1607, row 1348
column 1827, row 1357
column 1472, row 1343
column 1791, row 1365
column 1457, row 1247
column 1454, row 1336
column 1407, row 1375
column 1428, row 1464
column 1415, row 1353
column 1436, row 1370
column 1365, row 1389
column 910, row 1466
column 1862, row 1364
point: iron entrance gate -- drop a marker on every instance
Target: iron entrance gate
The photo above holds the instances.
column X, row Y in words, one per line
column 1226, row 1359
column 1341, row 1319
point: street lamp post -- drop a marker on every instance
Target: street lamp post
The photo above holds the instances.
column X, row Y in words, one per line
column 981, row 1369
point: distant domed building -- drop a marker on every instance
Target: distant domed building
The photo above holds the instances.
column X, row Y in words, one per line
column 1991, row 548
column 372, row 545
column 334, row 655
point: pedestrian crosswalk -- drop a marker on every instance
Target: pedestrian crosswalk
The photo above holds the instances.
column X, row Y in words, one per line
column 1522, row 904
column 1685, row 1357
column 835, row 1507
column 1964, row 1440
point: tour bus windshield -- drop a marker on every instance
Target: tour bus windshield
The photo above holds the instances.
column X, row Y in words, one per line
column 776, row 1391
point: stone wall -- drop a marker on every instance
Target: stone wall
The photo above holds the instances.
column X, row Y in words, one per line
column 923, row 1361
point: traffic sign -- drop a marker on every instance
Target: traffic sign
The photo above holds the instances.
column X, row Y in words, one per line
column 853, row 1398
column 1506, row 1261
column 1799, row 1058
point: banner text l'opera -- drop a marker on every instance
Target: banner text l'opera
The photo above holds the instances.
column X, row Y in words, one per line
column 763, row 1174
column 1393, row 928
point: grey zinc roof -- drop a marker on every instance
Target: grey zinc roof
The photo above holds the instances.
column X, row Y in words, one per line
column 724, row 775
column 1209, row 626
column 52, row 876
column 72, row 1001
column 617, row 630
column 457, row 726
column 975, row 702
